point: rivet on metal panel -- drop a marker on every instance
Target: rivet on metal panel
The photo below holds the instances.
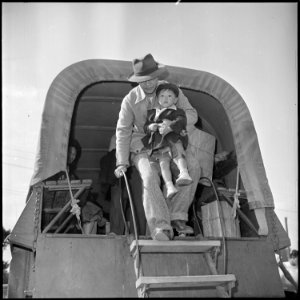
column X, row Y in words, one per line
column 28, row 293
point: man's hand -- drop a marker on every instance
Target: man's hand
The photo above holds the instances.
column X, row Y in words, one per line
column 118, row 171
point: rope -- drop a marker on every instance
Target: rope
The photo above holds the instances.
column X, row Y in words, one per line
column 236, row 202
column 75, row 209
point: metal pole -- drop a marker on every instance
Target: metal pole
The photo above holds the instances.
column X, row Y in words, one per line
column 287, row 231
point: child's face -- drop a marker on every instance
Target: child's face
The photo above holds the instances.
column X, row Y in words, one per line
column 166, row 98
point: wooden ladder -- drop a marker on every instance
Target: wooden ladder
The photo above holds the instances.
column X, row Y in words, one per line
column 223, row 283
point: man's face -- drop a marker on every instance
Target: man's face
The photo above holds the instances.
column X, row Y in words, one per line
column 149, row 86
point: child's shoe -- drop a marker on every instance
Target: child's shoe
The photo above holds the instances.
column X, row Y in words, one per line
column 171, row 190
column 184, row 179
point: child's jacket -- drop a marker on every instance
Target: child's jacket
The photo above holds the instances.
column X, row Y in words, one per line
column 154, row 140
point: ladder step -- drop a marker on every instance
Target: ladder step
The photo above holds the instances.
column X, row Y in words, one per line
column 148, row 246
column 186, row 281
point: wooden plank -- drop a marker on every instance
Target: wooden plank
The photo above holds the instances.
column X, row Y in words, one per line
column 242, row 216
column 94, row 150
column 53, row 221
column 230, row 192
column 101, row 98
column 213, row 270
column 63, row 184
column 185, row 281
column 95, row 127
column 89, row 170
column 211, row 220
column 51, row 210
column 64, row 223
column 108, row 266
column 148, row 246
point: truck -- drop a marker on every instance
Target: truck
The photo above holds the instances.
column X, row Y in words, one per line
column 237, row 232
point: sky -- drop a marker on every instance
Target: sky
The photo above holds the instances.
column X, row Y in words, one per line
column 252, row 46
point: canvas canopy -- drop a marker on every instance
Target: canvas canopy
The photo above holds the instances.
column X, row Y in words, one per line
column 63, row 92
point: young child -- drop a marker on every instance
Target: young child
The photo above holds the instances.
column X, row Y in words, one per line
column 171, row 121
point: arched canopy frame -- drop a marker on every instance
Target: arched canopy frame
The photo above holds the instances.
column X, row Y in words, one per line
column 64, row 90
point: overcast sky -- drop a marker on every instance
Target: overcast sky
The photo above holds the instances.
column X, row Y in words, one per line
column 253, row 46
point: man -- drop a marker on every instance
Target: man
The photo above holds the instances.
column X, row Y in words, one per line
column 289, row 275
column 162, row 216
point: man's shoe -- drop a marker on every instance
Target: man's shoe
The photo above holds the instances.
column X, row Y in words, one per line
column 181, row 227
column 204, row 181
column 162, row 235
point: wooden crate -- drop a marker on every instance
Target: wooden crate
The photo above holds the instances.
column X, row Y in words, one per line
column 212, row 223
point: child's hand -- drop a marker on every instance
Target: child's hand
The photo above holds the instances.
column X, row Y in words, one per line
column 164, row 127
column 153, row 127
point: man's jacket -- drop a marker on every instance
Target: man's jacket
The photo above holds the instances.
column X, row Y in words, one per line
column 132, row 117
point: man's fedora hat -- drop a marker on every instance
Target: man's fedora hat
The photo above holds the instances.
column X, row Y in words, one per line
column 146, row 68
